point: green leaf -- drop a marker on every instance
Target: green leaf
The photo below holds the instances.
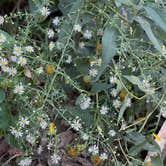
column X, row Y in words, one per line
column 98, row 87
column 122, row 109
column 156, row 17
column 2, row 96
column 9, row 39
column 135, row 81
column 108, row 48
column 147, row 28
column 69, row 6
column 156, row 161
column 4, row 117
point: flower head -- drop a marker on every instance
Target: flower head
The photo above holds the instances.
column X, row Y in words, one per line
column 17, row 51
column 87, row 34
column 25, row 162
column 75, row 124
column 77, row 28
column 2, row 20
column 19, row 89
column 55, row 158
column 104, row 110
column 22, row 61
column 45, row 11
column 23, row 121
column 56, row 21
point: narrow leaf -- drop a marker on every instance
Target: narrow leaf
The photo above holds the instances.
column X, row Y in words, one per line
column 108, row 48
column 147, row 28
column 156, row 17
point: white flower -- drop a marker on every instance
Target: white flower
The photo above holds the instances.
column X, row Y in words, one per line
column 146, row 84
column 15, row 132
column 51, row 45
column 13, row 58
column 19, row 89
column 30, row 138
column 1, row 20
column 93, row 72
column 69, row 59
column 45, row 11
column 112, row 133
column 163, row 111
column 103, row 156
column 104, row 110
column 23, row 121
column 3, row 62
column 5, row 68
column 12, row 71
column 75, row 124
column 50, row 33
column 25, row 162
column 29, row 49
column 85, row 103
column 43, row 124
column 39, row 70
column 87, row 34
column 93, row 149
column 128, row 102
column 17, row 51
column 81, row 44
column 85, row 136
column 22, row 61
column 56, row 21
column 2, row 38
column 100, row 32
column 49, row 145
column 39, row 149
column 116, row 103
column 77, row 28
column 114, row 92
column 55, row 158
column 113, row 80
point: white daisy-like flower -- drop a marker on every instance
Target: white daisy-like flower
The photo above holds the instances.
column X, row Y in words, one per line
column 3, row 62
column 103, row 156
column 25, row 162
column 2, row 20
column 85, row 136
column 19, row 89
column 56, row 21
column 76, row 124
column 94, row 149
column 23, row 121
column 5, row 69
column 51, row 45
column 77, row 28
column 31, row 139
column 116, row 103
column 16, row 132
column 69, row 59
column 39, row 70
column 112, row 133
column 22, row 61
column 128, row 102
column 50, row 145
column 2, row 38
column 113, row 80
column 93, row 72
column 85, row 103
column 55, row 158
column 50, row 33
column 13, row 58
column 104, row 110
column 114, row 92
column 29, row 49
column 12, row 71
column 17, row 51
column 87, row 34
column 45, row 11
column 43, row 124
column 81, row 44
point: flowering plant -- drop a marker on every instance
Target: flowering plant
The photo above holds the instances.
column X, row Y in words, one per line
column 97, row 66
